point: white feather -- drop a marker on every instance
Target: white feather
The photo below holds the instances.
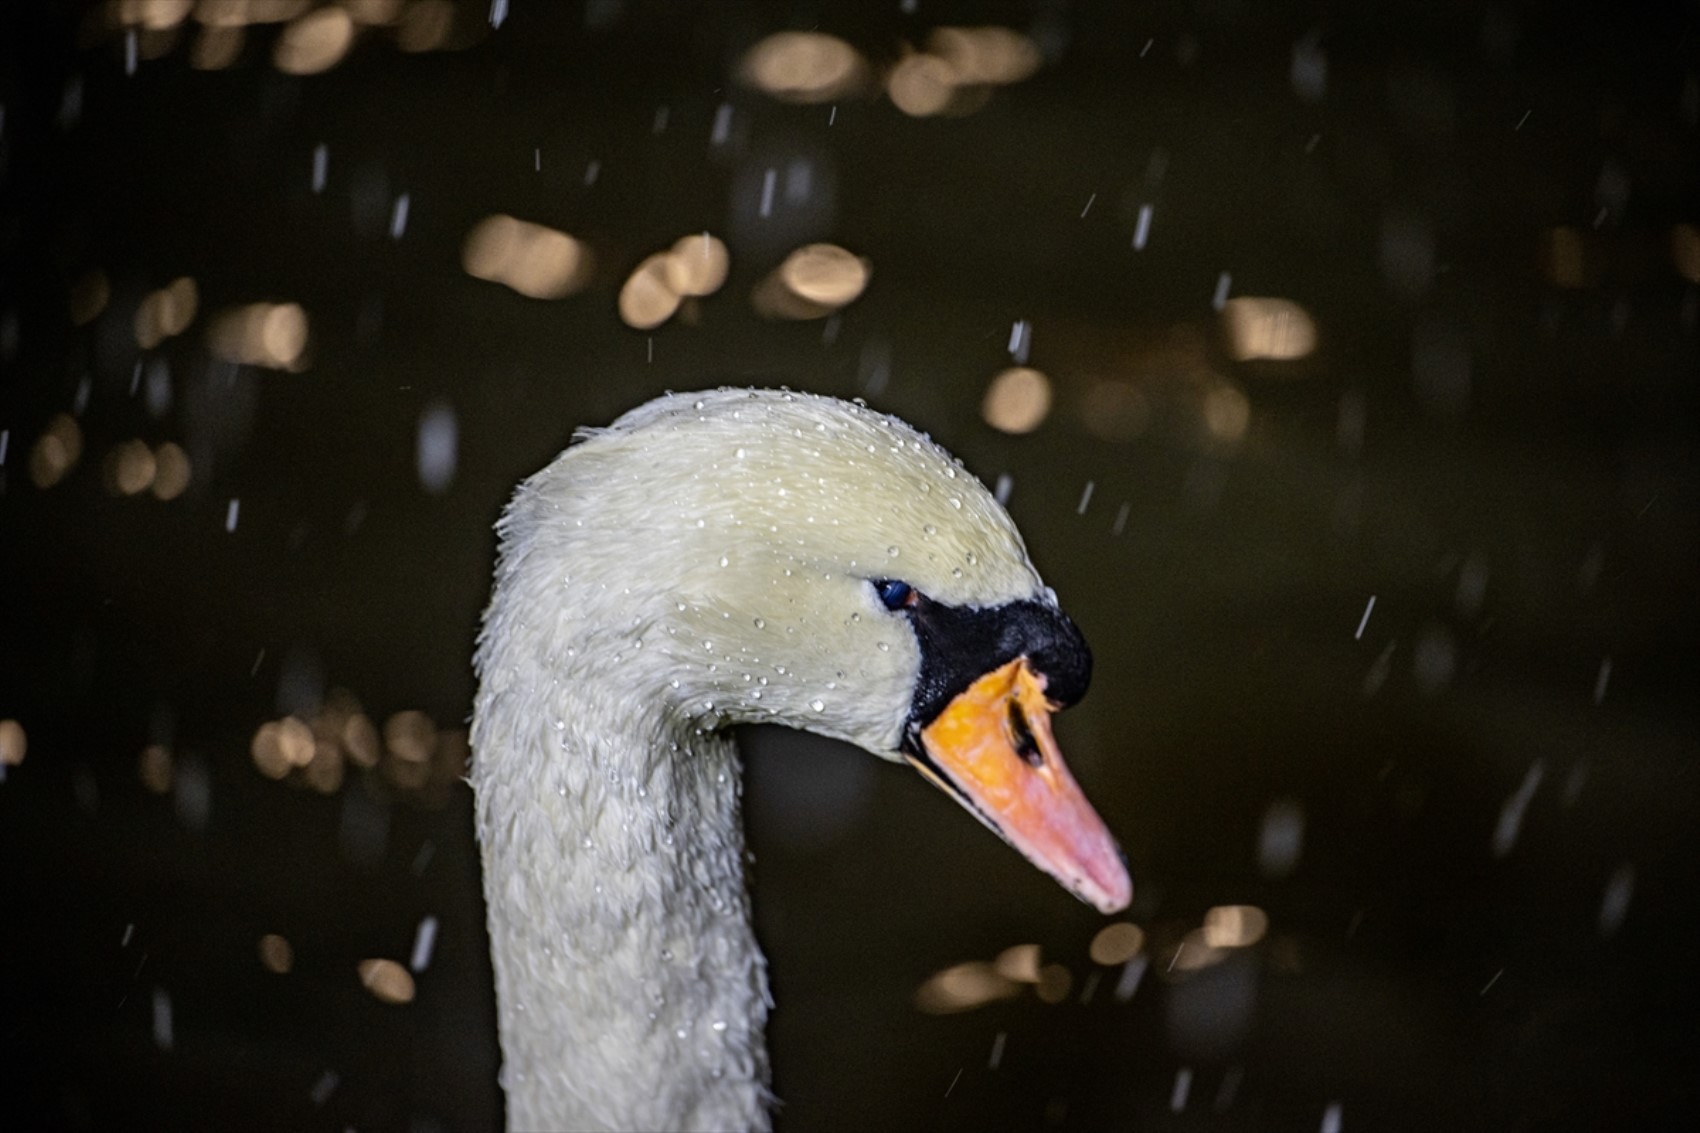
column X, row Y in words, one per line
column 705, row 560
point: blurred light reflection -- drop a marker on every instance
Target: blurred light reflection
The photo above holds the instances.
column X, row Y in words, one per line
column 992, row 55
column 803, row 67
column 1053, row 983
column 129, row 468
column 172, row 471
column 963, row 987
column 315, row 42
column 1017, row 400
column 387, row 980
column 154, row 768
column 647, row 298
column 276, row 955
column 56, row 451
column 532, row 259
column 1019, row 962
column 13, row 743
column 273, row 335
column 1234, row 926
column 1276, row 329
column 1117, row 944
column 813, row 282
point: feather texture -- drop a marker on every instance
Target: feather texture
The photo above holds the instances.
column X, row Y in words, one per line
column 705, row 560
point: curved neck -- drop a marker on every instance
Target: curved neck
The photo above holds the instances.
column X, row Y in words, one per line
column 631, row 992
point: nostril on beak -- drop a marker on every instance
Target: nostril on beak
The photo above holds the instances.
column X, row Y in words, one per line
column 1021, row 737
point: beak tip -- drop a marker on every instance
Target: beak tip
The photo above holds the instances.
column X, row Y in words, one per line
column 1113, row 897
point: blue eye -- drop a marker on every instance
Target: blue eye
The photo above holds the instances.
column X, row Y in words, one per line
column 896, row 595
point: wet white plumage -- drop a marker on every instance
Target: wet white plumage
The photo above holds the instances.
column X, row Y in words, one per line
column 705, row 560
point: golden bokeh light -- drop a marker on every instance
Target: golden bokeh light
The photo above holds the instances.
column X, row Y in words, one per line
column 241, row 13
column 1685, row 251
column 266, row 749
column 13, row 743
column 360, row 740
column 647, row 298
column 56, row 451
column 803, row 66
column 922, row 85
column 825, row 275
column 154, row 15
column 1017, row 400
column 537, row 261
column 1019, row 962
column 129, row 468
column 1234, row 926
column 166, row 312
column 273, row 335
column 155, row 767
column 697, row 265
column 172, row 471
column 813, row 282
column 49, row 461
column 1227, row 413
column 295, row 740
column 1195, row 953
column 315, row 42
column 409, row 751
column 387, row 980
column 276, row 955
column 1053, row 983
column 963, row 987
column 1276, row 329
column 993, row 56
column 1116, row 944
column 89, row 297
column 410, row 736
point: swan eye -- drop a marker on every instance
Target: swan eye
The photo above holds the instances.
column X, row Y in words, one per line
column 896, row 595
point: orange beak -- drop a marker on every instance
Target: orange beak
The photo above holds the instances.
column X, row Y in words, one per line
column 992, row 749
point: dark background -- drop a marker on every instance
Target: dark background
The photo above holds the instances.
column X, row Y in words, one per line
column 1503, row 455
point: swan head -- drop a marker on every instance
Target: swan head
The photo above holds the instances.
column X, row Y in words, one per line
column 769, row 556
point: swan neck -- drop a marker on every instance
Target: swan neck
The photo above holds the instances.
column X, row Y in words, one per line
column 631, row 991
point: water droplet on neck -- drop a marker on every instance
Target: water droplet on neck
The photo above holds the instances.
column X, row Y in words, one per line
column 893, row 552
column 818, row 705
column 761, row 623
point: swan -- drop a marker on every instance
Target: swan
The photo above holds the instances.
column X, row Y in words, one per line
column 709, row 559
